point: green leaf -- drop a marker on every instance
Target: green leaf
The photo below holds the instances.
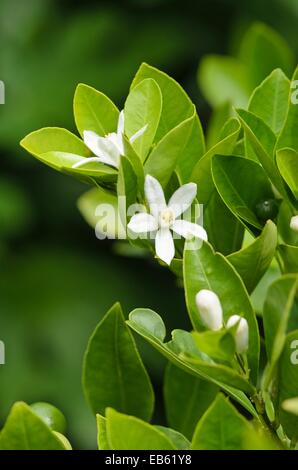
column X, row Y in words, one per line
column 60, row 149
column 242, row 184
column 178, row 350
column 143, row 108
column 113, row 373
column 280, row 314
column 205, row 269
column 193, row 150
column 54, row 139
column 287, row 383
column 24, row 430
column 130, row 433
column 201, row 174
column 94, row 111
column 193, row 394
column 136, row 163
column 262, row 140
column 223, row 79
column 289, row 135
column 221, row 428
column 252, row 261
column 287, row 162
column 127, row 186
column 263, row 50
column 90, row 173
column 285, row 213
column 269, row 100
column 278, row 319
column 102, row 438
column 100, row 209
column 220, row 345
column 164, row 158
column 176, row 105
column 228, row 240
column 178, row 440
column 289, row 255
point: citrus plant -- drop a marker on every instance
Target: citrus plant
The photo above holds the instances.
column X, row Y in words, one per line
column 232, row 381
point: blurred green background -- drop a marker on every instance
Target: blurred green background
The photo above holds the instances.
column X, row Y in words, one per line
column 56, row 278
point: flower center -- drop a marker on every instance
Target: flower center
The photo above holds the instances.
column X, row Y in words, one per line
column 166, row 218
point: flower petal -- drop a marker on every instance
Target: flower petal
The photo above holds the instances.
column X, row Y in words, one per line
column 154, row 195
column 138, row 134
column 85, row 160
column 120, row 127
column 182, row 199
column 142, row 223
column 102, row 148
column 164, row 245
column 117, row 141
column 188, row 229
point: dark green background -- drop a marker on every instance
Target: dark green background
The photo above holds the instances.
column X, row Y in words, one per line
column 56, row 279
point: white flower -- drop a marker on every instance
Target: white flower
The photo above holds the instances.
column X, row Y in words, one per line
column 210, row 309
column 294, row 223
column 241, row 334
column 163, row 217
column 107, row 149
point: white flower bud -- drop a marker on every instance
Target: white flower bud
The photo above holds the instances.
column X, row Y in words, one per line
column 241, row 334
column 294, row 223
column 210, row 309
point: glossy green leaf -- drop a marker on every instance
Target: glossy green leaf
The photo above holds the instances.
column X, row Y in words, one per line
column 201, row 174
column 280, row 313
column 182, row 353
column 178, row 440
column 100, row 209
column 60, row 149
column 263, row 50
column 172, row 148
column 252, row 261
column 94, row 111
column 285, row 214
column 143, row 108
column 287, row 383
column 90, row 173
column 214, row 209
column 205, row 269
column 242, row 184
column 219, row 345
column 113, row 373
column 289, row 255
column 24, row 430
column 127, row 186
column 228, row 240
column 102, row 438
column 176, row 105
column 222, row 427
column 223, row 79
column 287, row 162
column 193, row 394
column 54, row 139
column 269, row 100
column 263, row 141
column 136, row 163
column 289, row 136
column 129, row 433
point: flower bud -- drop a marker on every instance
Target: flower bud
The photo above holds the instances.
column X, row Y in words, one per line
column 210, row 309
column 294, row 223
column 241, row 334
